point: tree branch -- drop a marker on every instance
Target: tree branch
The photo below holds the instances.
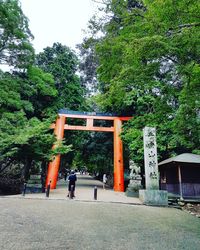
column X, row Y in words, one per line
column 188, row 25
column 99, row 2
column 7, row 164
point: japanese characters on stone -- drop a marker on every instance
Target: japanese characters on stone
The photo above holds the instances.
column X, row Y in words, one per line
column 150, row 156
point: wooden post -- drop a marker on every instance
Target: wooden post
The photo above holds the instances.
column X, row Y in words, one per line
column 118, row 158
column 180, row 182
column 53, row 168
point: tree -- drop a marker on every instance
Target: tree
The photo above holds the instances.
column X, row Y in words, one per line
column 39, row 89
column 88, row 65
column 15, row 47
column 26, row 102
column 24, row 125
column 62, row 63
column 148, row 66
column 97, row 153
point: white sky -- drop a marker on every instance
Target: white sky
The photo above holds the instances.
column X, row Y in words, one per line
column 57, row 21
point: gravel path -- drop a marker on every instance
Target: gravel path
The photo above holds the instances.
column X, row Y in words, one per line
column 85, row 192
column 67, row 224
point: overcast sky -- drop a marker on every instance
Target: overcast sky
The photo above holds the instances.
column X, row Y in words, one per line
column 57, row 21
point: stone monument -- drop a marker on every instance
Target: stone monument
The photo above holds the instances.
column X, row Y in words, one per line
column 151, row 195
column 135, row 181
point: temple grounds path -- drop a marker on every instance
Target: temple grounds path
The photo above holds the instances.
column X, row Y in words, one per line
column 60, row 223
column 85, row 192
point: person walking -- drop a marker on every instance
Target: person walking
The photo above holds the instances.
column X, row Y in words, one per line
column 104, row 181
column 71, row 184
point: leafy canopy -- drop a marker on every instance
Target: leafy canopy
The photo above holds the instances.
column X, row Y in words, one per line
column 15, row 47
column 149, row 68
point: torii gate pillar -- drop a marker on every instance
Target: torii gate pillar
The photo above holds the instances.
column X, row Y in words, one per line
column 54, row 165
column 118, row 157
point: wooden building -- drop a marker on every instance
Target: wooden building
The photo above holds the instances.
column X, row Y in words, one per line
column 180, row 176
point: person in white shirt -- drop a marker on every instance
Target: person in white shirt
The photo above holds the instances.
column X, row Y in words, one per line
column 104, row 181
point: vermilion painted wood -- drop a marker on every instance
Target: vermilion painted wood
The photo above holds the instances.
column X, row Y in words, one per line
column 118, row 157
column 59, row 128
column 53, row 167
column 87, row 128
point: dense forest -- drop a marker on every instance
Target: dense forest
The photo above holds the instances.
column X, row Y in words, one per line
column 139, row 58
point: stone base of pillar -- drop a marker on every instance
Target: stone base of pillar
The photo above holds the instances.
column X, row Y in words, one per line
column 133, row 188
column 154, row 197
column 131, row 193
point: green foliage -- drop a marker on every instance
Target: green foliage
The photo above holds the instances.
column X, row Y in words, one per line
column 147, row 63
column 61, row 62
column 98, row 153
column 88, row 65
column 25, row 134
column 41, row 91
column 149, row 68
column 60, row 148
column 32, row 91
column 28, row 97
column 15, row 47
column 25, row 140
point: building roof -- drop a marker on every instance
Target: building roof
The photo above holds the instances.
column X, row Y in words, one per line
column 184, row 158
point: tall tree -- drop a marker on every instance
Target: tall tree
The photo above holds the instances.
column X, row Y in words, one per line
column 25, row 98
column 148, row 66
column 88, row 65
column 25, row 133
column 15, row 47
column 62, row 63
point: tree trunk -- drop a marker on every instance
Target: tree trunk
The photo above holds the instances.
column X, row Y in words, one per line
column 43, row 175
column 26, row 170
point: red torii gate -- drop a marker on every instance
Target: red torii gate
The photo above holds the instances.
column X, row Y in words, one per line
column 61, row 125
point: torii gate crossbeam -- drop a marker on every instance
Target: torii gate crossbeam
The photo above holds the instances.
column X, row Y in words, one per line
column 61, row 125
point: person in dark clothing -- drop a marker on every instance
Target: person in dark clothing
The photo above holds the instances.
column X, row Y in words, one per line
column 72, row 181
